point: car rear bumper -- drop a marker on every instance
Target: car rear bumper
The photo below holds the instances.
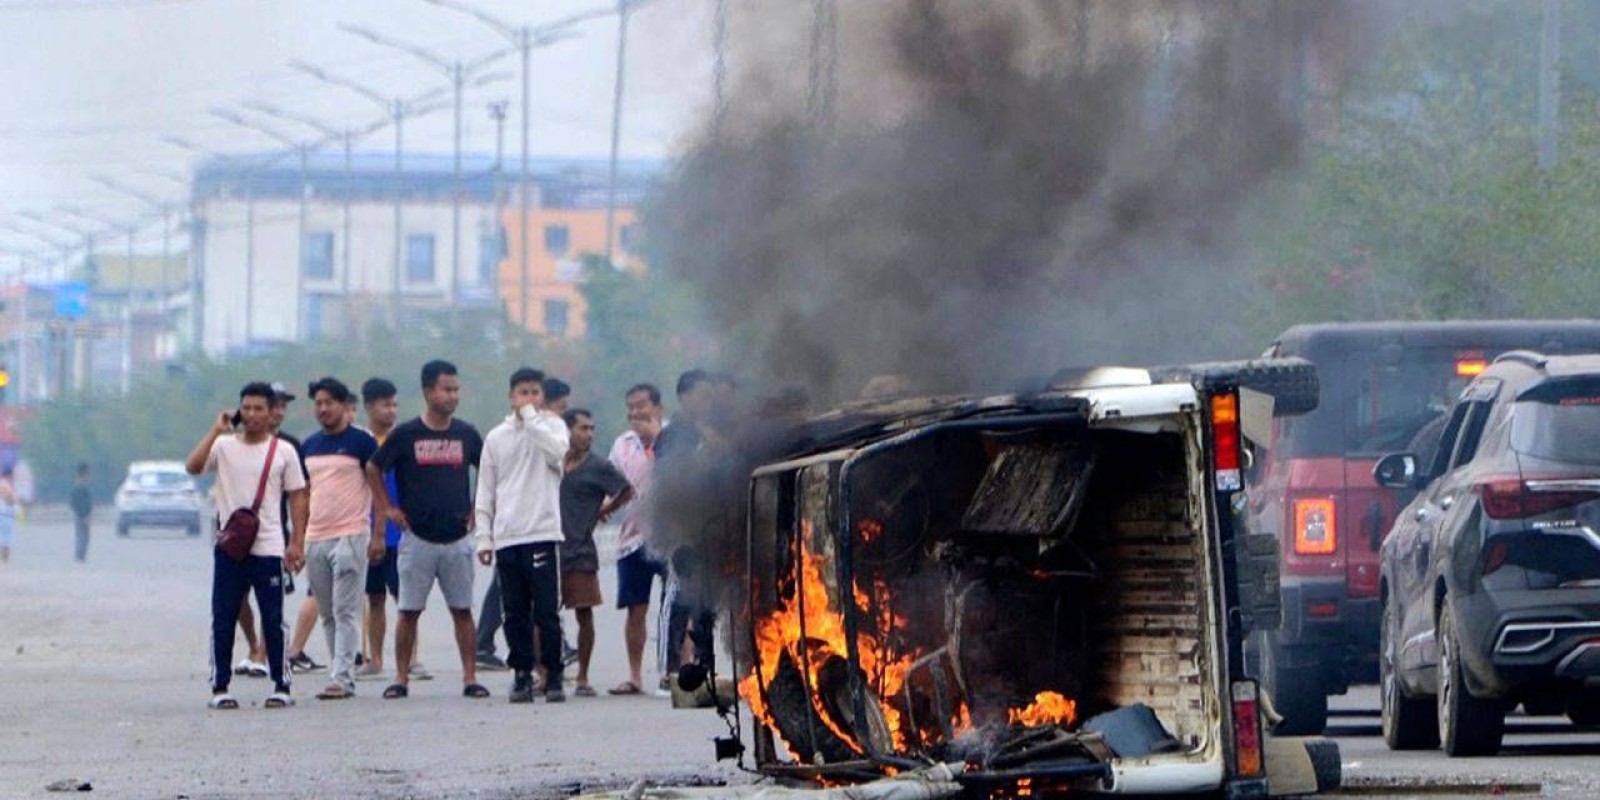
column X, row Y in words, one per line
column 159, row 517
column 1322, row 613
column 1514, row 638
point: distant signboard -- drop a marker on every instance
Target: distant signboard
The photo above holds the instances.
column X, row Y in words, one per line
column 72, row 299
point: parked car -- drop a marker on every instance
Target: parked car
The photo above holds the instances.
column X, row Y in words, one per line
column 159, row 494
column 1383, row 383
column 1490, row 578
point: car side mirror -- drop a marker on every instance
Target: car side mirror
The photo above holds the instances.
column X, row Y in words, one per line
column 1396, row 471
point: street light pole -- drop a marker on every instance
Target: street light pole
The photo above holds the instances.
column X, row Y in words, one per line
column 303, row 151
column 624, row 11
column 456, row 72
column 524, row 38
column 166, row 226
column 346, row 136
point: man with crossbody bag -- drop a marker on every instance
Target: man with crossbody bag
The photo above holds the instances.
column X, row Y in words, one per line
column 254, row 470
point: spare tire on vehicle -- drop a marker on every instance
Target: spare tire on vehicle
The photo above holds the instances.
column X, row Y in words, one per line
column 1292, row 382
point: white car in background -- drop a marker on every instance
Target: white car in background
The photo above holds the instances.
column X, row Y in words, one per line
column 160, row 494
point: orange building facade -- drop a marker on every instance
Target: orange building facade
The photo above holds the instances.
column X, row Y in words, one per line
column 561, row 238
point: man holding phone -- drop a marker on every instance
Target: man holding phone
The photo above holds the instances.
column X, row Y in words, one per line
column 241, row 460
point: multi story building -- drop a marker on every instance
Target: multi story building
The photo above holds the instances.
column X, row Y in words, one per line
column 286, row 255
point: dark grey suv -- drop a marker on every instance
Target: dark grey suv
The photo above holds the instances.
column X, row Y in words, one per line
column 1490, row 591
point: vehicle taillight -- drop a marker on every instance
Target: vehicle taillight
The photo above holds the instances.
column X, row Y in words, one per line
column 1315, row 528
column 1506, row 497
column 1225, row 432
column 1247, row 759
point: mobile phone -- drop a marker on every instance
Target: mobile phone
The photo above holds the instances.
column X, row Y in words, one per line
column 238, row 418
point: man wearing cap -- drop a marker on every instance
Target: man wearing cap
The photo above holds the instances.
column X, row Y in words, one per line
column 338, row 531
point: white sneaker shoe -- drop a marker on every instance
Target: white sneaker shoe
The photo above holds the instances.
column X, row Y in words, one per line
column 419, row 672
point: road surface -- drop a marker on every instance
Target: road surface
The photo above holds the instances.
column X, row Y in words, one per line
column 103, row 677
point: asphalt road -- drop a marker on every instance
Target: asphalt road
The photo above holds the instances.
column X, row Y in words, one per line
column 103, row 678
column 1542, row 756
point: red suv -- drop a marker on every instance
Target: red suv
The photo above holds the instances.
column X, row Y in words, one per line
column 1385, row 388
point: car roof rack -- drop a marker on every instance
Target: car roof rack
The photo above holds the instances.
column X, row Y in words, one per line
column 1525, row 357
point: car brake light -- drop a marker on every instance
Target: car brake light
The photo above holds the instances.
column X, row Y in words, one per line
column 1225, row 433
column 1506, row 497
column 1315, row 531
column 1247, row 759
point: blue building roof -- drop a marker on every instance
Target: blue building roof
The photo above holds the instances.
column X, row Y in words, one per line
column 562, row 182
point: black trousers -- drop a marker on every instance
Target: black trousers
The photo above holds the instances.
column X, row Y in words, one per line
column 230, row 582
column 530, row 595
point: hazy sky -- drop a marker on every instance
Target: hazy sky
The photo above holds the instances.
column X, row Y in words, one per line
column 90, row 86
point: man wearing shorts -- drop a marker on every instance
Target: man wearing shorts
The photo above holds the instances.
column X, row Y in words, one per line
column 633, row 454
column 591, row 491
column 383, row 554
column 430, row 457
column 519, row 530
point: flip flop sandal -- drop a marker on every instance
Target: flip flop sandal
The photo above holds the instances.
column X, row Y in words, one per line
column 396, row 691
column 278, row 700
column 628, row 687
column 584, row 691
column 335, row 691
column 223, row 702
column 474, row 690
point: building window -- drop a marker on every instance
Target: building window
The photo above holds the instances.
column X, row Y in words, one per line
column 628, row 237
column 491, row 250
column 316, row 256
column 555, row 317
column 419, row 258
column 557, row 240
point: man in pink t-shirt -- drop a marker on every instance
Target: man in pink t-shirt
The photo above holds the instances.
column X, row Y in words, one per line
column 340, row 528
column 633, row 453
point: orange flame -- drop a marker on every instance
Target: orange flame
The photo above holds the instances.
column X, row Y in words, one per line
column 1047, row 708
column 780, row 632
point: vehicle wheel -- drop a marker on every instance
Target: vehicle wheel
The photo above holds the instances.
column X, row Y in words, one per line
column 1296, row 694
column 1325, row 764
column 1584, row 711
column 1409, row 723
column 1468, row 726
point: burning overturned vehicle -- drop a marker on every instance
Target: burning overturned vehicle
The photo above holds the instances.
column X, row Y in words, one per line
column 1039, row 592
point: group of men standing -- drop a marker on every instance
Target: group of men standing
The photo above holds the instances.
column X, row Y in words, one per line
column 393, row 509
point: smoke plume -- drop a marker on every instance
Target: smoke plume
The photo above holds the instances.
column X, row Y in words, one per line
column 989, row 189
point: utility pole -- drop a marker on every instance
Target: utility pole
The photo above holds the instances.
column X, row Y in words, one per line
column 1550, row 85
column 524, row 38
column 497, row 110
column 624, row 11
column 457, row 73
column 398, row 109
column 346, row 137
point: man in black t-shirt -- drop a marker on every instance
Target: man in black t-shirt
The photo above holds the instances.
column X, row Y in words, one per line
column 430, row 457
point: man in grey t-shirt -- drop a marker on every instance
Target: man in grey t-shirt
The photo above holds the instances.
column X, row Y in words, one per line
column 591, row 490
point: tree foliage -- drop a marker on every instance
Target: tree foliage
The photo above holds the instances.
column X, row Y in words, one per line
column 1427, row 201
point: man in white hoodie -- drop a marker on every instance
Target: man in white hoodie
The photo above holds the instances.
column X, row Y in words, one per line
column 518, row 513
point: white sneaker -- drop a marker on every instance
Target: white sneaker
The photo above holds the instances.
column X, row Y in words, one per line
column 419, row 672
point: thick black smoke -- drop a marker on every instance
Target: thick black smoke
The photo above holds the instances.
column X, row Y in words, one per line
column 1005, row 187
